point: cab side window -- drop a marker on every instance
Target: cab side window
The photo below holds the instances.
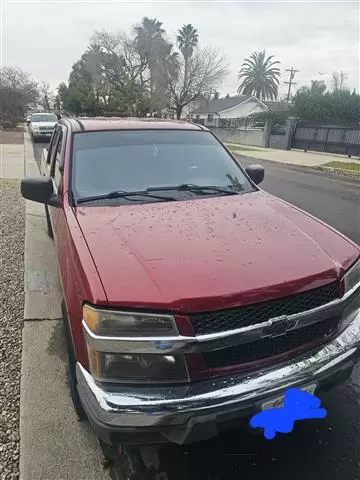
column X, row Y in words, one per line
column 52, row 149
column 58, row 157
column 51, row 144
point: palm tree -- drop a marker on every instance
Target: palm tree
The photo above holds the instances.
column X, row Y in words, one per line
column 150, row 41
column 149, row 36
column 91, row 63
column 187, row 40
column 259, row 76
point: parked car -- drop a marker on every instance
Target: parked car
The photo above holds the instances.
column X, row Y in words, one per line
column 191, row 298
column 42, row 126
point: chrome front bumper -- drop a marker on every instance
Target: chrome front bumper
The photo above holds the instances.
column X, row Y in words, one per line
column 142, row 408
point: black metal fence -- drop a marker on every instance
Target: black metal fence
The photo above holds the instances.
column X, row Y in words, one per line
column 344, row 140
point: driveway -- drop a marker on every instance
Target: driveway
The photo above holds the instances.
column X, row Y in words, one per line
column 317, row 449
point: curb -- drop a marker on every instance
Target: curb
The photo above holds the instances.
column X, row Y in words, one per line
column 318, row 168
column 340, row 171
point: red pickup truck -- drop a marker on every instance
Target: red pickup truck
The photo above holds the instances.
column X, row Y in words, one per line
column 192, row 298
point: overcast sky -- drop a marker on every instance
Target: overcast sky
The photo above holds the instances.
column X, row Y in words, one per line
column 46, row 37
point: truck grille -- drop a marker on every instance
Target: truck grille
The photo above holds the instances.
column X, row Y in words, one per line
column 293, row 342
column 230, row 319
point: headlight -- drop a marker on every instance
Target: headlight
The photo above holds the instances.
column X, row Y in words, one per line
column 130, row 367
column 35, row 128
column 352, row 277
column 110, row 323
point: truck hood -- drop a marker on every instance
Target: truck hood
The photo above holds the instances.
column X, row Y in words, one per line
column 211, row 253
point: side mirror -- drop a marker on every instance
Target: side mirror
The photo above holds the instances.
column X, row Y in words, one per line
column 40, row 190
column 256, row 173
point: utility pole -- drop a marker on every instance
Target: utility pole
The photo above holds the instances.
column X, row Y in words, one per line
column 290, row 82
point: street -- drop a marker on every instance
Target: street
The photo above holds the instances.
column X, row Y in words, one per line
column 316, row 449
column 332, row 198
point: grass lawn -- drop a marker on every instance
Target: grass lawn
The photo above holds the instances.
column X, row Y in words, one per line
column 344, row 165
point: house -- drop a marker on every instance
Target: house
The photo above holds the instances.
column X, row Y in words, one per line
column 224, row 111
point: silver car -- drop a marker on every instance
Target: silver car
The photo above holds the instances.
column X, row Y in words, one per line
column 42, row 126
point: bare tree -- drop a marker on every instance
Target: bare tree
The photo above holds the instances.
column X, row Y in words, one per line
column 17, row 91
column 338, row 80
column 205, row 70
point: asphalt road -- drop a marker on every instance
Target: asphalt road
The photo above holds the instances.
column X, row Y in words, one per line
column 316, row 449
column 333, row 198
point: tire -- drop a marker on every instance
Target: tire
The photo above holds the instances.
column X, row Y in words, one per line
column 48, row 224
column 71, row 368
column 130, row 465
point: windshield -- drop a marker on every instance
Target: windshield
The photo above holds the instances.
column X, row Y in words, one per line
column 43, row 117
column 137, row 160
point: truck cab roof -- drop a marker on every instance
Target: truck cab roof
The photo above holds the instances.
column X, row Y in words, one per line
column 115, row 123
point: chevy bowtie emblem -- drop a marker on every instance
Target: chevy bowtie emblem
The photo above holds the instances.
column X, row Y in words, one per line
column 279, row 326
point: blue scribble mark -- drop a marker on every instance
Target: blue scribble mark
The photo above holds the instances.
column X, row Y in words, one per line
column 298, row 405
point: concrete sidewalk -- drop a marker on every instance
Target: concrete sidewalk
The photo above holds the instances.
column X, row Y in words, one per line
column 53, row 444
column 291, row 157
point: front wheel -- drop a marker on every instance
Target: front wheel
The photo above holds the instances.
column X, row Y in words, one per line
column 133, row 463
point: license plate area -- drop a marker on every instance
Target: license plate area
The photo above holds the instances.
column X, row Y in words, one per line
column 278, row 402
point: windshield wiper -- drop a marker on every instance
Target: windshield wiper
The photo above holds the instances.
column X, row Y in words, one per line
column 124, row 194
column 190, row 187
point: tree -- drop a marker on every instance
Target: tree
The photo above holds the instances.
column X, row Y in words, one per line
column 46, row 95
column 187, row 40
column 141, row 73
column 17, row 91
column 318, row 87
column 78, row 98
column 153, row 47
column 93, row 60
column 259, row 76
column 339, row 79
column 206, row 69
column 317, row 105
column 124, row 73
column 57, row 103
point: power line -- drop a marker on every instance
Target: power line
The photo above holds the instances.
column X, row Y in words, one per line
column 290, row 82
